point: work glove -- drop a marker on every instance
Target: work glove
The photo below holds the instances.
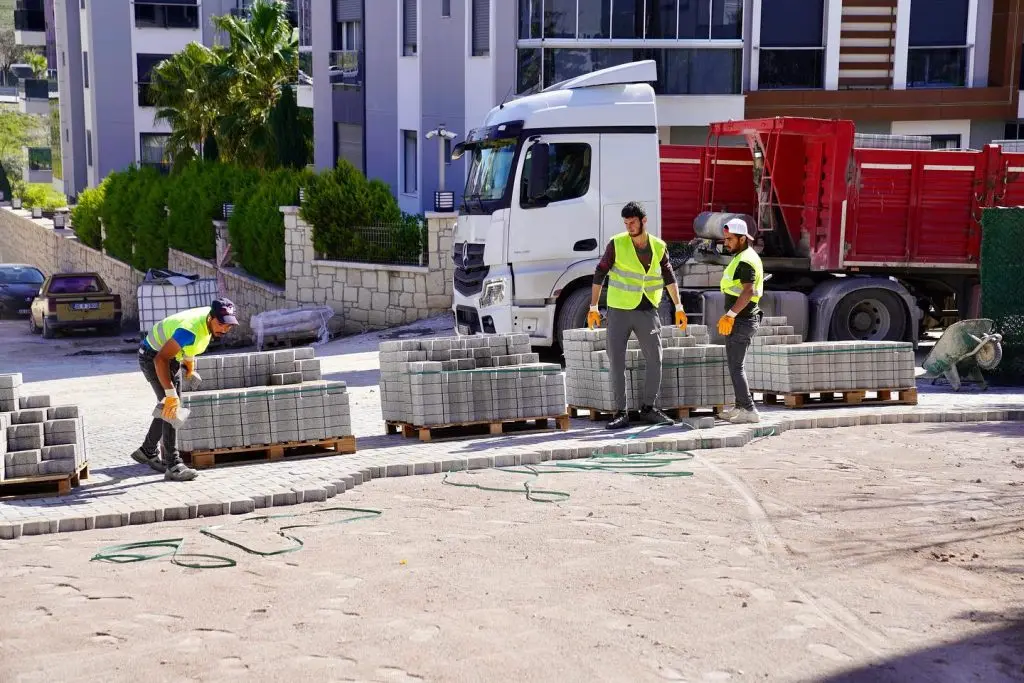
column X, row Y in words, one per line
column 725, row 324
column 593, row 318
column 681, row 321
column 171, row 404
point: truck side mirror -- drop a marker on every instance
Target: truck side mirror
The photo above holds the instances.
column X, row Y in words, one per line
column 540, row 160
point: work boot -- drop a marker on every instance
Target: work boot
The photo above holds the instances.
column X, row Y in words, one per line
column 655, row 416
column 140, row 456
column 728, row 415
column 620, row 420
column 179, row 472
column 744, row 416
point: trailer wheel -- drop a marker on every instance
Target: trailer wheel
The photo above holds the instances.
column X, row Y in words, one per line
column 572, row 314
column 869, row 315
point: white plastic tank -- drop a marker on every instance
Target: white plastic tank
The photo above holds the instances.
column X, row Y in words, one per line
column 160, row 297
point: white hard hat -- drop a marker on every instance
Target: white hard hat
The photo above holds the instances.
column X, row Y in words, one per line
column 737, row 226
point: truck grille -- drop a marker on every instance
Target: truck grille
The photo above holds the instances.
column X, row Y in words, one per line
column 470, row 270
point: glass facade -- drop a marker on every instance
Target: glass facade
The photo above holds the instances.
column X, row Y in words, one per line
column 708, row 61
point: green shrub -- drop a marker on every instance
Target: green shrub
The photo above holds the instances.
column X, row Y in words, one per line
column 150, row 221
column 129, row 195
column 42, row 195
column 195, row 197
column 257, row 226
column 85, row 216
column 341, row 201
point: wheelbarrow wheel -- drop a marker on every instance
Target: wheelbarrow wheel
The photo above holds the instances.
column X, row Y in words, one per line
column 990, row 355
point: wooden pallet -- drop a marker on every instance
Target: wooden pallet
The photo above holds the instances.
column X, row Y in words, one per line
column 345, row 445
column 43, row 485
column 850, row 398
column 464, row 429
column 676, row 413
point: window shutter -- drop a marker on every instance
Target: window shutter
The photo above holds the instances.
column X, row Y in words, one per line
column 409, row 26
column 481, row 27
column 348, row 10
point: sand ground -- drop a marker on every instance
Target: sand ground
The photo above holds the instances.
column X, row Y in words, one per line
column 861, row 554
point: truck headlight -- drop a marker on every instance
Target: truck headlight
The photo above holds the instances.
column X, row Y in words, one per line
column 494, row 293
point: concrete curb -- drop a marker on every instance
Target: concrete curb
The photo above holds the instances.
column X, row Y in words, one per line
column 775, row 423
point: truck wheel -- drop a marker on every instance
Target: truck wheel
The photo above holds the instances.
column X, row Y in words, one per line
column 869, row 315
column 573, row 313
column 48, row 332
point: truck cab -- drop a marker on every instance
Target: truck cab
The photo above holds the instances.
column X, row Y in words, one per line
column 548, row 176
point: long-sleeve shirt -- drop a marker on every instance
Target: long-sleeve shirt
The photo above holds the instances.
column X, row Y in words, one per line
column 645, row 254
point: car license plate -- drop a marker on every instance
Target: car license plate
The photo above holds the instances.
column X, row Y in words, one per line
column 23, row 311
column 84, row 307
column 463, row 329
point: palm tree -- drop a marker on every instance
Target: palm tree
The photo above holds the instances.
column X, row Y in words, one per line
column 261, row 59
column 186, row 90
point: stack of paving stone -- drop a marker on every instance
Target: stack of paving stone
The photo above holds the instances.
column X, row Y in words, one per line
column 694, row 373
column 37, row 439
column 459, row 380
column 264, row 398
column 781, row 364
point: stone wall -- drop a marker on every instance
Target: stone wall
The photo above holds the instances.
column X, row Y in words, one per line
column 35, row 242
column 250, row 295
column 369, row 296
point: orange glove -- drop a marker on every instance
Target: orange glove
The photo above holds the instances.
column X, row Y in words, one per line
column 171, row 404
column 725, row 324
column 593, row 318
column 681, row 321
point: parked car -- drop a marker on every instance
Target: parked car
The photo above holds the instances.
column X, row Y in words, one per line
column 19, row 285
column 75, row 301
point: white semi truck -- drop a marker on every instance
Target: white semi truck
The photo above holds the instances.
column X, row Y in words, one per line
column 550, row 172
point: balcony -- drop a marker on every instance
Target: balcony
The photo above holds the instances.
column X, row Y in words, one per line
column 30, row 23
column 34, row 96
column 39, row 168
column 346, row 69
column 304, row 85
column 166, row 15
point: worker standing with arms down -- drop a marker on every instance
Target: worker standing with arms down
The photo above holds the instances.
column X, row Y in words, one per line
column 638, row 271
column 742, row 284
column 173, row 343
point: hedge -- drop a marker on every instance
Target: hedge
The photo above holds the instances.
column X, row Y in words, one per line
column 139, row 229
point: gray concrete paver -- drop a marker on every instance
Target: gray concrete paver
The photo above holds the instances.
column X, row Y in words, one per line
column 115, row 401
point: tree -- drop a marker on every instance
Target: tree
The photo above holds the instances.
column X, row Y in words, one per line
column 289, row 134
column 38, row 64
column 10, row 52
column 16, row 132
column 186, row 90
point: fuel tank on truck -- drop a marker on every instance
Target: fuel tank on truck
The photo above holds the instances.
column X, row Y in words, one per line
column 710, row 225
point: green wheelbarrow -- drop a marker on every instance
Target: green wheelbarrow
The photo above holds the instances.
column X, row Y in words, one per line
column 964, row 350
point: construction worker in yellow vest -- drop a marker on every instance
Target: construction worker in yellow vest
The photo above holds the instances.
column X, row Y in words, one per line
column 171, row 345
column 742, row 285
column 638, row 271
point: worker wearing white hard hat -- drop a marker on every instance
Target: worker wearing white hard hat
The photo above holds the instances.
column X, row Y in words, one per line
column 742, row 286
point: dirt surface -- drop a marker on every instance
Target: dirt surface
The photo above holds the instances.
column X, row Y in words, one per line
column 863, row 554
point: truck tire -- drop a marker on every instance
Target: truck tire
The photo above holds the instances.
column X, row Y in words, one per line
column 573, row 313
column 869, row 315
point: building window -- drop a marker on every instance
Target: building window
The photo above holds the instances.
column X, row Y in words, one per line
column 410, row 162
column 88, row 147
column 937, row 54
column 409, row 27
column 347, row 36
column 144, row 68
column 1014, row 131
column 156, row 14
column 85, row 69
column 568, row 173
column 305, row 12
column 153, row 151
column 792, row 46
column 481, row 28
column 446, row 8
column 950, row 141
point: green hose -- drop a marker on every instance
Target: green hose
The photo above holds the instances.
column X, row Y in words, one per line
column 128, row 553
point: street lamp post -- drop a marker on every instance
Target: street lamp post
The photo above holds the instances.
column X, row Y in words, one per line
column 443, row 135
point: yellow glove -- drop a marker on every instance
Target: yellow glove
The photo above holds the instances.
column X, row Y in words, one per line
column 681, row 321
column 725, row 324
column 593, row 318
column 171, row 404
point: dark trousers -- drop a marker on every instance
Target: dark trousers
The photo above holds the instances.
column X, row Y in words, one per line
column 646, row 325
column 159, row 429
column 736, row 345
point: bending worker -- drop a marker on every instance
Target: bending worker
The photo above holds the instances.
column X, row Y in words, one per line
column 636, row 265
column 742, row 284
column 173, row 343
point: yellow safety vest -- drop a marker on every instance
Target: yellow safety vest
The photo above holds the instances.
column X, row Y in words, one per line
column 193, row 320
column 628, row 282
column 733, row 287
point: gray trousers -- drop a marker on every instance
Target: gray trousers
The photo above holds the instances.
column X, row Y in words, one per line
column 647, row 327
column 736, row 345
column 158, row 429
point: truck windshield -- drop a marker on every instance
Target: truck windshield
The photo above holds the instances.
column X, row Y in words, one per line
column 490, row 170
